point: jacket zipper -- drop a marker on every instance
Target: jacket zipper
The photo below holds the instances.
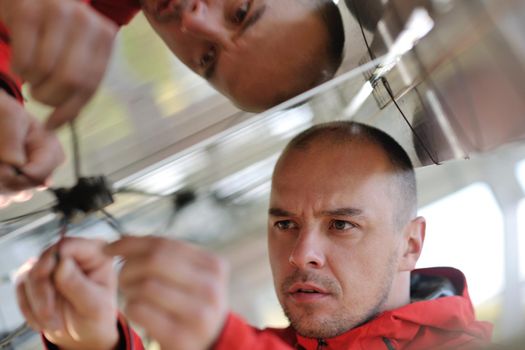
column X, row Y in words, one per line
column 388, row 344
column 321, row 343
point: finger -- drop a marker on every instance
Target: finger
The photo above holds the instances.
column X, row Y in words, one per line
column 73, row 69
column 25, row 27
column 68, row 110
column 77, row 73
column 5, row 201
column 131, row 246
column 176, row 273
column 156, row 323
column 41, row 292
column 12, row 181
column 18, row 183
column 174, row 261
column 25, row 308
column 172, row 300
column 22, row 196
column 53, row 38
column 93, row 56
column 44, row 153
column 14, row 125
column 88, row 255
column 83, row 294
column 17, row 197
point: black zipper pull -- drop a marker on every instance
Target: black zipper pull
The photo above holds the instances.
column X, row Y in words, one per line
column 388, row 344
column 321, row 344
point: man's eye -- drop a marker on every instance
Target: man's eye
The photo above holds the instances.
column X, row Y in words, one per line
column 284, row 225
column 341, row 225
column 241, row 13
column 208, row 57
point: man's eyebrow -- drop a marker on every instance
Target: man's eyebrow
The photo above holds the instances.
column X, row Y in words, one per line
column 254, row 18
column 343, row 212
column 279, row 212
column 257, row 14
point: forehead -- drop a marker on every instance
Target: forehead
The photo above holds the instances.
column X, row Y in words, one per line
column 272, row 50
column 328, row 171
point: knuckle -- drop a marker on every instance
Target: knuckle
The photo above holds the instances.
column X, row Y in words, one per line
column 34, row 274
column 42, row 68
column 58, row 10
column 108, row 30
column 158, row 250
column 153, row 259
column 43, row 311
column 221, row 267
column 211, row 291
column 21, row 63
column 39, row 95
column 24, row 9
column 134, row 310
column 81, row 15
column 149, row 286
column 70, row 81
column 201, row 314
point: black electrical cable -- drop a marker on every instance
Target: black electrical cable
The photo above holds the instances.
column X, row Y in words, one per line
column 128, row 190
column 113, row 222
column 7, row 340
column 23, row 216
column 76, row 150
column 391, row 94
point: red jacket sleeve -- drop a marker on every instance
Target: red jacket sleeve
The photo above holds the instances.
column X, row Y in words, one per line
column 119, row 11
column 129, row 339
column 8, row 81
column 237, row 334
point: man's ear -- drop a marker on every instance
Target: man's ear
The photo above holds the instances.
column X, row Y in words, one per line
column 413, row 238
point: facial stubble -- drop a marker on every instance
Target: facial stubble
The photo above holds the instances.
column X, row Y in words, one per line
column 344, row 318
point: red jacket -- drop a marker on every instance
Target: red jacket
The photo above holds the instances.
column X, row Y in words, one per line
column 444, row 323
column 120, row 11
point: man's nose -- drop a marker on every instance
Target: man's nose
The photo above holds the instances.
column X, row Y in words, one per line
column 308, row 251
column 202, row 22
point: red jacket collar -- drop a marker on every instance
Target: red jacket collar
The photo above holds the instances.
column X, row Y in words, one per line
column 422, row 324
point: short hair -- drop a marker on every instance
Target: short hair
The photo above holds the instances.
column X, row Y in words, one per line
column 331, row 17
column 312, row 67
column 347, row 132
column 367, row 13
column 327, row 12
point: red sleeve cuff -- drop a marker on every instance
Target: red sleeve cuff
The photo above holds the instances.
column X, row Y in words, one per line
column 237, row 334
column 8, row 81
column 128, row 339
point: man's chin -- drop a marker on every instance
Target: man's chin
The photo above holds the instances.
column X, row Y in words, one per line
column 316, row 330
column 315, row 326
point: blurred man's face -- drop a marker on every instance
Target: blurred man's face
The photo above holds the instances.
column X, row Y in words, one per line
column 249, row 50
column 333, row 245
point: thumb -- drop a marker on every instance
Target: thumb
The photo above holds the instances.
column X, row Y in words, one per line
column 66, row 112
column 83, row 294
column 14, row 126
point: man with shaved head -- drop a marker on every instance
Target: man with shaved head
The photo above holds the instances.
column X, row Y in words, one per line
column 343, row 241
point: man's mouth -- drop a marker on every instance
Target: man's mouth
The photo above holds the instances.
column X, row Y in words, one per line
column 306, row 293
column 306, row 288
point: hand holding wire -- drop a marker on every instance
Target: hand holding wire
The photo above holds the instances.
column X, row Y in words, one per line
column 72, row 300
column 28, row 152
